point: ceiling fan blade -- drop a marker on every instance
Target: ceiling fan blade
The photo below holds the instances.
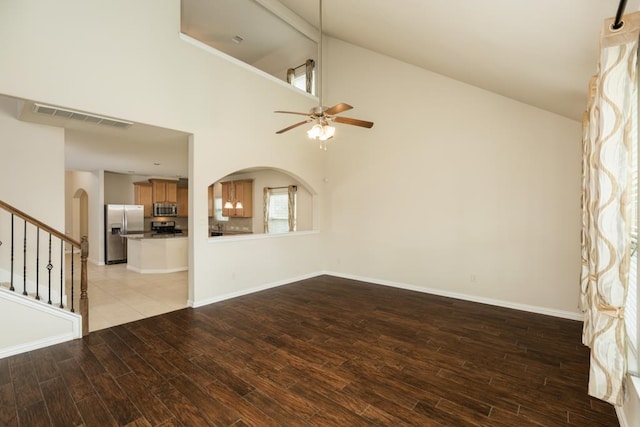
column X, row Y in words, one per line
column 291, row 127
column 355, row 122
column 338, row 108
column 292, row 112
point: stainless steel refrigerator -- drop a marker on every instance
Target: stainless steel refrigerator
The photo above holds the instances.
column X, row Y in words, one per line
column 120, row 221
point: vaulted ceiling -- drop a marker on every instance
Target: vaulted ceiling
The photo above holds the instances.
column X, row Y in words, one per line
column 540, row 52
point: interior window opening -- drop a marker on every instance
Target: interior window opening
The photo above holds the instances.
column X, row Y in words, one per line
column 259, row 201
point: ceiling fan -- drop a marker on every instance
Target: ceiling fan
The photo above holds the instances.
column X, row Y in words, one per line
column 321, row 116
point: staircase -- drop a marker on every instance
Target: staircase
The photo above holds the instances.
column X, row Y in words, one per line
column 39, row 266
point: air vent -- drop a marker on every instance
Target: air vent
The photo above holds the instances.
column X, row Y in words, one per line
column 76, row 115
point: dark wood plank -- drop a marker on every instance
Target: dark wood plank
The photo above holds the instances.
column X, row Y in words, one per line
column 45, row 365
column 34, row 415
column 144, row 373
column 8, row 413
column 117, row 345
column 110, row 360
column 213, row 409
column 188, row 368
column 94, row 413
column 249, row 414
column 79, row 385
column 274, row 409
column 141, row 395
column 223, row 375
column 323, row 351
column 60, row 405
column 140, row 422
column 5, row 373
column 25, row 384
column 115, row 400
column 183, row 410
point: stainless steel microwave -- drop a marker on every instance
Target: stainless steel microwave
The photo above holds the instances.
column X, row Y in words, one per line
column 165, row 209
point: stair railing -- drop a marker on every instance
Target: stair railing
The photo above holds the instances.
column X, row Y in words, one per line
column 27, row 234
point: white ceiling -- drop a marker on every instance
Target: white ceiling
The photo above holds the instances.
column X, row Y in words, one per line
column 540, row 52
column 137, row 150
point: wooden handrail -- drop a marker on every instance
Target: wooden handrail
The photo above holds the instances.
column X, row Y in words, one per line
column 40, row 224
column 83, row 245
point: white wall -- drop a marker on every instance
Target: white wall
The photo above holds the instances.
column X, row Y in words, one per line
column 37, row 327
column 145, row 73
column 454, row 189
column 31, row 166
column 452, row 181
column 118, row 189
column 31, row 180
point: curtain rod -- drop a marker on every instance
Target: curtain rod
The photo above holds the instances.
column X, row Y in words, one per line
column 278, row 188
column 303, row 65
column 617, row 24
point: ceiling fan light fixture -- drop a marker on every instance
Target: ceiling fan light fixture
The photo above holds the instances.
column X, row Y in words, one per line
column 321, row 132
column 315, row 131
column 328, row 131
column 321, row 116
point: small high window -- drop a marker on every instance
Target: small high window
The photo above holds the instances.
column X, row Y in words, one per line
column 303, row 76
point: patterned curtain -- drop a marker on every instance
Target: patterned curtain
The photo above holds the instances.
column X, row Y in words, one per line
column 606, row 211
column 309, row 66
column 265, row 208
column 291, row 191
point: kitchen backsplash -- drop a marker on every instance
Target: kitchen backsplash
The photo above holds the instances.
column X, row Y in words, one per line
column 234, row 224
column 181, row 222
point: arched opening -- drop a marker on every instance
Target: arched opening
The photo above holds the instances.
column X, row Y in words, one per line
column 260, row 200
column 80, row 214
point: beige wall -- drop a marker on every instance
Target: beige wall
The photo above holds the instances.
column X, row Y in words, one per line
column 145, row 73
column 454, row 189
column 451, row 183
column 31, row 166
column 118, row 189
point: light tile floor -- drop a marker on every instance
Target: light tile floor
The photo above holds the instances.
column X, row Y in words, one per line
column 118, row 295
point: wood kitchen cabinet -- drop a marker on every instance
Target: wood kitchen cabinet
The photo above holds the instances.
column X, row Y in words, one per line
column 238, row 191
column 164, row 191
column 143, row 195
column 183, row 201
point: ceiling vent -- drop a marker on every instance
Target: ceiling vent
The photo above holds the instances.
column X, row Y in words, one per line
column 76, row 115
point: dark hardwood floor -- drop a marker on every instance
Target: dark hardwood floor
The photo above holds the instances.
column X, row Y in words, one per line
column 324, row 351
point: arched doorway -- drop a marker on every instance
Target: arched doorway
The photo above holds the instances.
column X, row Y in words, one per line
column 80, row 214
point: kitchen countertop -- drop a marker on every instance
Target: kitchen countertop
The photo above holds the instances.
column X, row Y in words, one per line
column 152, row 235
column 228, row 233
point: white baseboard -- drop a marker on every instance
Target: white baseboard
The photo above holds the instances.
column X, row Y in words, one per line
column 264, row 287
column 473, row 298
column 499, row 303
